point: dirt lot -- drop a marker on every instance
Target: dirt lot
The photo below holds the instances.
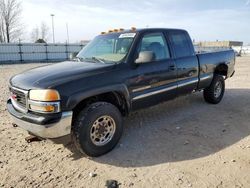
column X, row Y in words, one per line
column 182, row 143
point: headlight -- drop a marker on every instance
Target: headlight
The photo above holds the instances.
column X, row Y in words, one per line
column 44, row 95
column 44, row 101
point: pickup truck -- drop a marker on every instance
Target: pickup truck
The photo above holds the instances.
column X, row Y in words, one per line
column 118, row 72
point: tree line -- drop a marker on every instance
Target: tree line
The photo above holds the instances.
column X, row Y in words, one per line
column 10, row 12
column 11, row 27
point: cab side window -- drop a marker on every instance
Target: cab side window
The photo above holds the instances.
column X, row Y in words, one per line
column 156, row 43
column 180, row 44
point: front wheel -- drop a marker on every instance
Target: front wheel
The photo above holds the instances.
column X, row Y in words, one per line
column 97, row 129
column 215, row 92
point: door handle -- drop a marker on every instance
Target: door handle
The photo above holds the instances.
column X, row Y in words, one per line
column 172, row 67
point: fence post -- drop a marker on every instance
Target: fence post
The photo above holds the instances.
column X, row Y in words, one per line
column 67, row 52
column 46, row 52
column 20, row 51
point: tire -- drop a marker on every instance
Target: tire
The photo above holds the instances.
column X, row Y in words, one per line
column 92, row 126
column 212, row 94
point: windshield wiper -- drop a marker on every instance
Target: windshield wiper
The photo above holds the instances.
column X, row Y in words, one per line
column 79, row 59
column 98, row 59
column 92, row 59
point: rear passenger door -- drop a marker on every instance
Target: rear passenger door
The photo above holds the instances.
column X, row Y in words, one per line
column 185, row 60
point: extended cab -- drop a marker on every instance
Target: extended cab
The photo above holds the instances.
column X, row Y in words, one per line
column 116, row 73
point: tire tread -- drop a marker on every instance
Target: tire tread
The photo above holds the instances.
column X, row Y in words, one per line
column 209, row 92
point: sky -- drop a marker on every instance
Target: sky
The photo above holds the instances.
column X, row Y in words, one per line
column 205, row 20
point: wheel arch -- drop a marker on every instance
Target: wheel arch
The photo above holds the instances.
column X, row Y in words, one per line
column 221, row 69
column 117, row 95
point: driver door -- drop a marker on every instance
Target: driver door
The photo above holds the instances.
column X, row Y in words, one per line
column 154, row 81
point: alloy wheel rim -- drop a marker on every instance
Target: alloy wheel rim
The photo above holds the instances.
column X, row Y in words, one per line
column 217, row 89
column 102, row 131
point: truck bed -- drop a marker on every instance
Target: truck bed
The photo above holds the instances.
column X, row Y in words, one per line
column 200, row 49
column 209, row 60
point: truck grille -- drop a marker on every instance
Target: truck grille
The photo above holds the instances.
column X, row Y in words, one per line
column 19, row 97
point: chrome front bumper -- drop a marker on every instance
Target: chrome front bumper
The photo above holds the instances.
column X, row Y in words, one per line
column 54, row 126
column 53, row 130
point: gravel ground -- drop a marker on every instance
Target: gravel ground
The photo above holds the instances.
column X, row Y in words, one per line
column 181, row 143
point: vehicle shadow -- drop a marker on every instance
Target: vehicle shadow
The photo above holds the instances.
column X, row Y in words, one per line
column 183, row 129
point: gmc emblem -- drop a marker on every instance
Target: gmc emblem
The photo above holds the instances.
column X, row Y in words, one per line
column 13, row 96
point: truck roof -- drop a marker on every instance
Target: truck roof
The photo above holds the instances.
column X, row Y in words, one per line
column 157, row 29
column 138, row 30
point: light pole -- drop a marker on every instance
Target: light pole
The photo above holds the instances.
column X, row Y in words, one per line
column 53, row 29
column 67, row 28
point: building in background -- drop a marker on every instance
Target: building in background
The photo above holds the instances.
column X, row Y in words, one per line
column 84, row 42
column 207, row 46
column 220, row 44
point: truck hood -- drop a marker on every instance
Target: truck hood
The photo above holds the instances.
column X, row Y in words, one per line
column 52, row 75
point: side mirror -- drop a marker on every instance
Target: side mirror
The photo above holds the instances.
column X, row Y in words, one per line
column 145, row 57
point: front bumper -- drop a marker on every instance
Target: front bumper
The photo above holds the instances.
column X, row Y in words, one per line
column 45, row 127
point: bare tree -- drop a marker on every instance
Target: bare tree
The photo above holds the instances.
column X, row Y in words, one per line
column 41, row 33
column 10, row 13
column 2, row 36
column 44, row 31
column 35, row 34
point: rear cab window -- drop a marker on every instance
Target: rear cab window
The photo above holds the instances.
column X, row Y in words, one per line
column 181, row 44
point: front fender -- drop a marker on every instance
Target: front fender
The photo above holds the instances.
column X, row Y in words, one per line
column 80, row 96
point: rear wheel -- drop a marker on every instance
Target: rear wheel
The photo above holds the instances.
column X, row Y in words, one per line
column 97, row 129
column 215, row 92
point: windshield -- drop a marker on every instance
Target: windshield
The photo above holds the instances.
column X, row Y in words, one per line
column 109, row 48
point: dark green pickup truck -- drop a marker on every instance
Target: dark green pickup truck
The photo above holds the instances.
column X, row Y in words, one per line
column 116, row 73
